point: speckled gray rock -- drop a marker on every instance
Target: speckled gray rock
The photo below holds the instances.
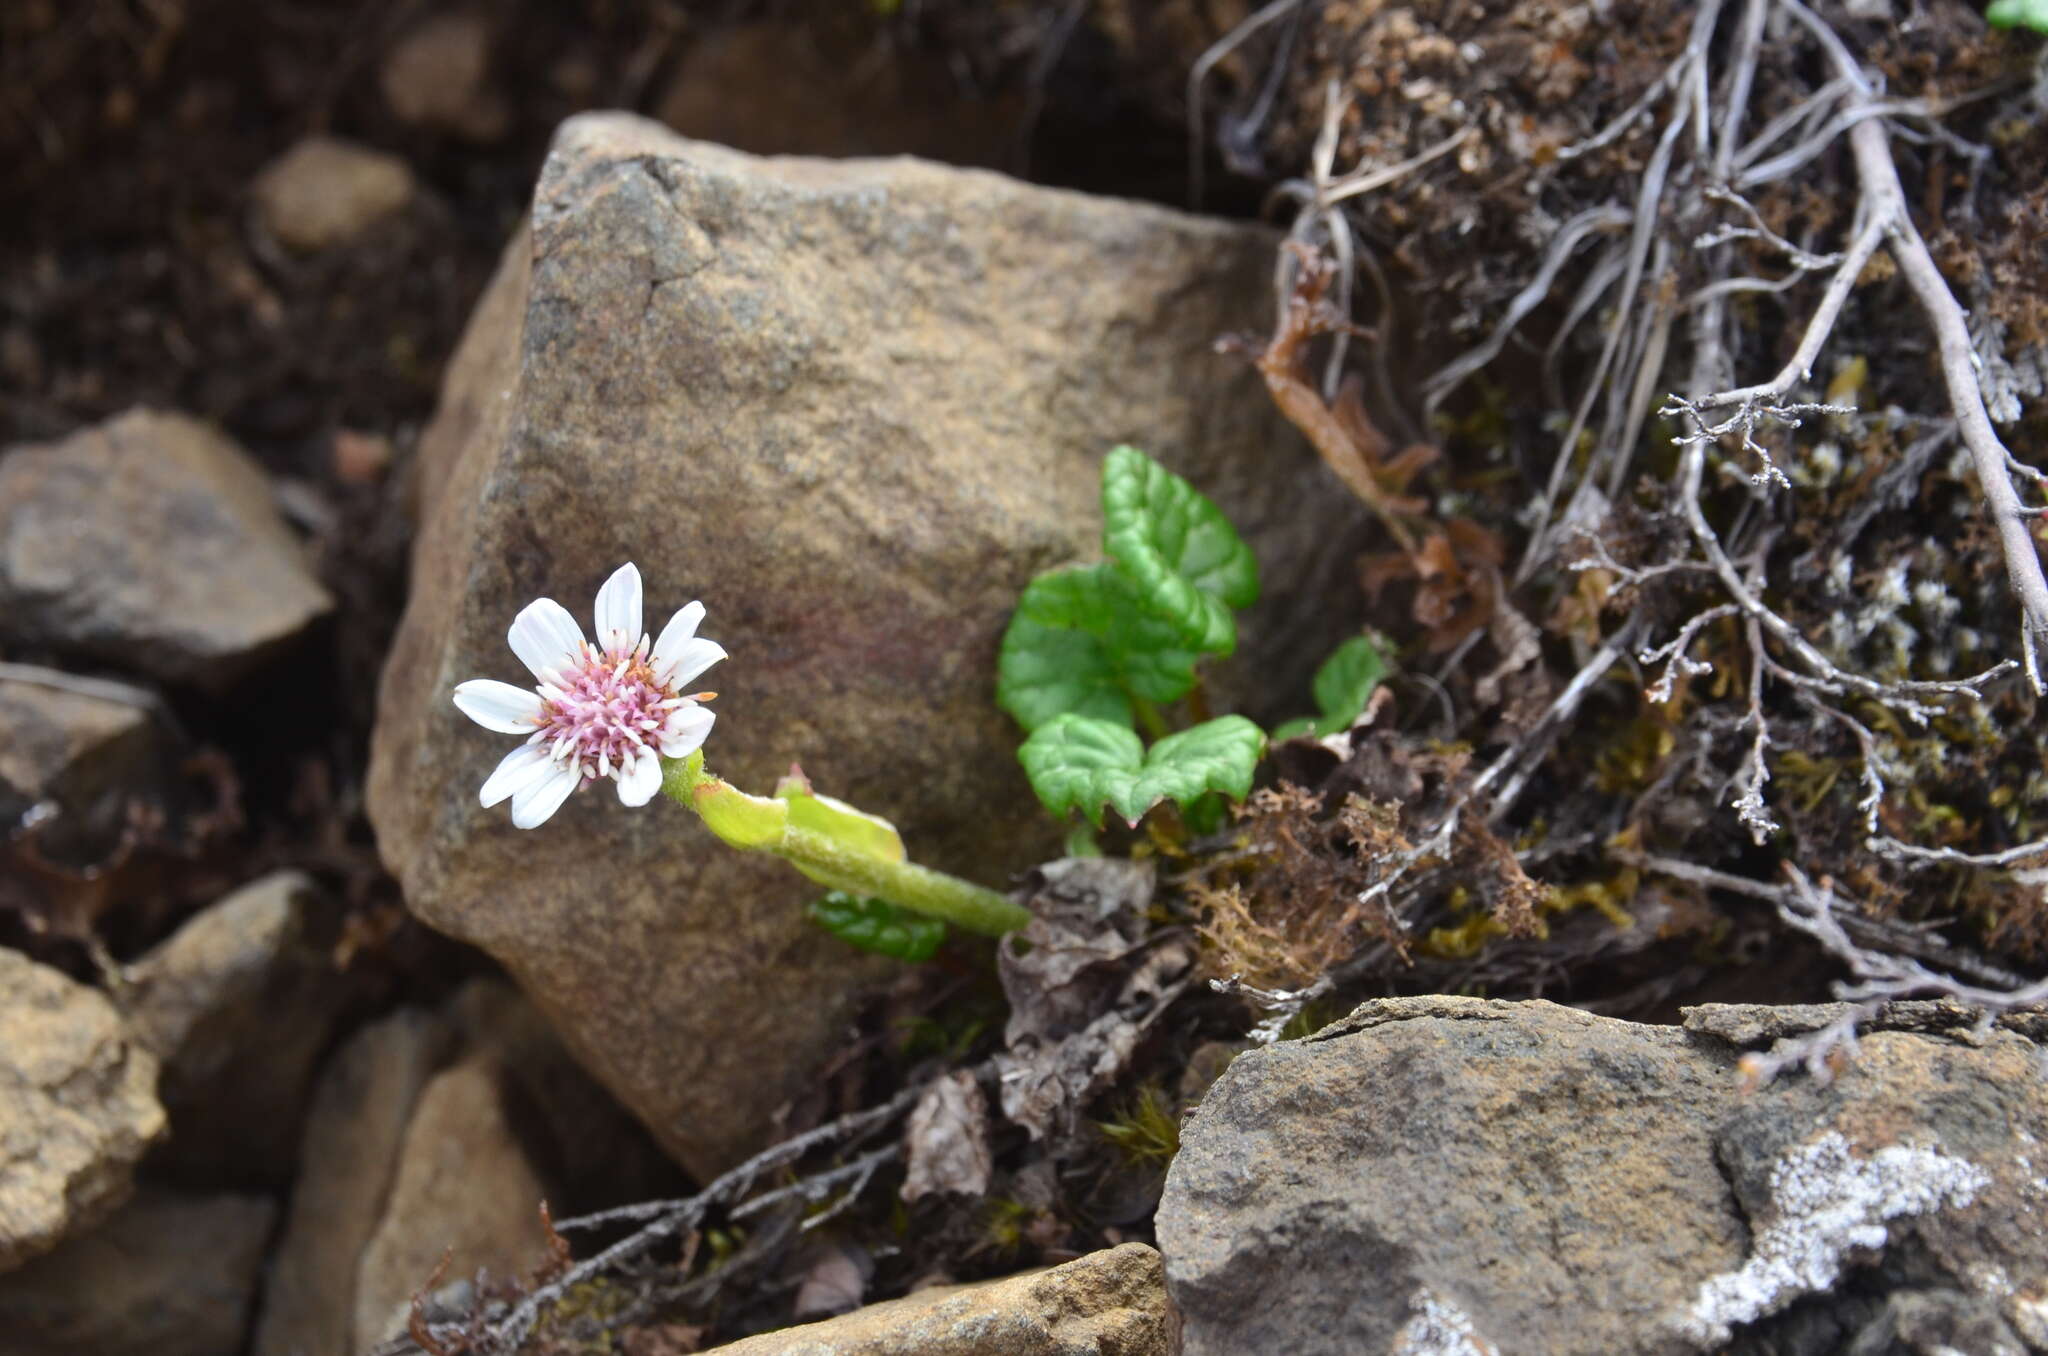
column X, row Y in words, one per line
column 150, row 542
column 1447, row 1175
column 168, row 1275
column 239, row 1004
column 1109, row 1303
column 77, row 1108
column 854, row 407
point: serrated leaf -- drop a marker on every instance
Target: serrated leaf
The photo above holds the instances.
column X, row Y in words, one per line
column 877, row 925
column 1082, row 763
column 1183, row 555
column 1077, row 762
column 1343, row 685
column 1083, row 642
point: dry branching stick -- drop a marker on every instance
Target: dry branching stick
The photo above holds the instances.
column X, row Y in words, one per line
column 1886, row 220
column 666, row 1219
column 1877, row 977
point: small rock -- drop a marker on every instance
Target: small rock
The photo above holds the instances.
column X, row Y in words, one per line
column 917, row 370
column 83, row 756
column 354, row 1127
column 150, row 542
column 465, row 1190
column 238, row 1005
column 1109, row 1303
column 168, row 1275
column 1451, row 1174
column 325, row 192
column 438, row 76
column 77, row 1108
column 433, row 1133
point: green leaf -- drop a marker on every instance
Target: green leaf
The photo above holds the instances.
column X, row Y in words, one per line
column 1343, row 685
column 2019, row 14
column 857, row 830
column 1082, row 763
column 1184, row 556
column 1083, row 642
column 877, row 925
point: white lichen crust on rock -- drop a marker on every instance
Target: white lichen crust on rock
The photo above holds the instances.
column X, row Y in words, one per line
column 853, row 407
column 1826, row 1202
column 1457, row 1175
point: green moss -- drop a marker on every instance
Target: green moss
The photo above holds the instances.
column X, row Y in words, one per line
column 1145, row 1129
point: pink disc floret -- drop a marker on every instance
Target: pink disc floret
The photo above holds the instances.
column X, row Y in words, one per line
column 607, row 711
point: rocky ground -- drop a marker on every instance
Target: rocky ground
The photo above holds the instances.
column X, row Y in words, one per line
column 1682, row 882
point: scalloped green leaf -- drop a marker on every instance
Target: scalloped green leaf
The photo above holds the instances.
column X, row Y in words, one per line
column 1082, row 642
column 1077, row 762
column 877, row 925
column 2018, row 14
column 1343, row 685
column 1183, row 555
column 1082, row 763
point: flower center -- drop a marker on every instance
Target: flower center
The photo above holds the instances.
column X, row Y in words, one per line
column 604, row 713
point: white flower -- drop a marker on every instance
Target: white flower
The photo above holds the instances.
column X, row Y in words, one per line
column 610, row 709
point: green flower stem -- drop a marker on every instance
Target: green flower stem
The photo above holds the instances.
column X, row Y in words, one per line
column 761, row 824
column 933, row 893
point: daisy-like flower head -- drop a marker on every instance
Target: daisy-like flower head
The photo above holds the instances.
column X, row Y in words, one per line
column 613, row 708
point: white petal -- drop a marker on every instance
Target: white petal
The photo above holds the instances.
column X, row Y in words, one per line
column 618, row 609
column 677, row 633
column 692, row 658
column 545, row 636
column 524, row 765
column 685, row 732
column 639, row 781
column 498, row 706
column 539, row 799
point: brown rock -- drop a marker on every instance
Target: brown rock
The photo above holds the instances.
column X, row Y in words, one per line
column 464, row 1190
column 238, row 1005
column 168, row 1275
column 439, row 75
column 150, row 542
column 82, row 756
column 77, row 1108
column 1109, row 1303
column 325, row 192
column 357, row 1122
column 854, row 408
column 1452, row 1174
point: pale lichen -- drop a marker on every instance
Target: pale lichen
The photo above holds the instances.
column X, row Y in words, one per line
column 1825, row 1203
column 1439, row 1328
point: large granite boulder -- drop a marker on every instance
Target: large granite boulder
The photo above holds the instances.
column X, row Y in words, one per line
column 77, row 1108
column 853, row 407
column 1459, row 1175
